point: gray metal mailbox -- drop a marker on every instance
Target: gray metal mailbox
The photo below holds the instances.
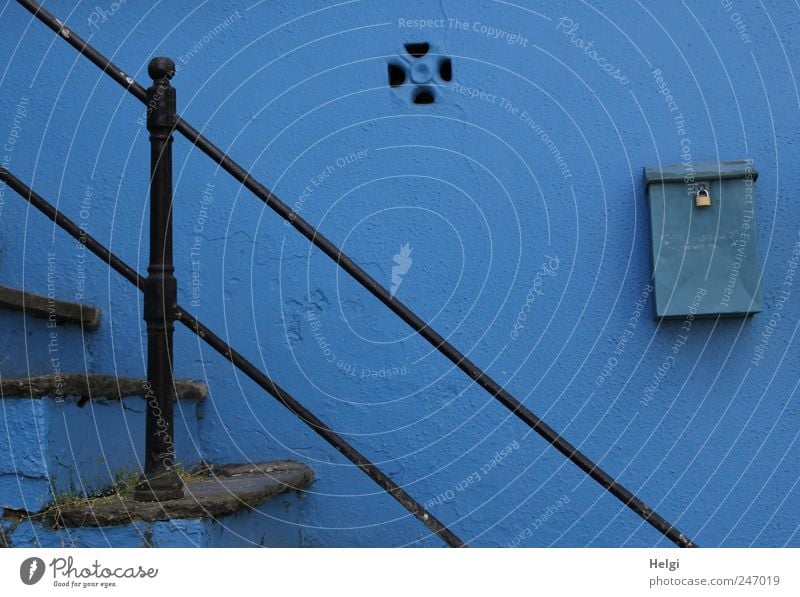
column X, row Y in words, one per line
column 703, row 239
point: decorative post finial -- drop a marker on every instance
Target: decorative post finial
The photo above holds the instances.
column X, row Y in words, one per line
column 161, row 67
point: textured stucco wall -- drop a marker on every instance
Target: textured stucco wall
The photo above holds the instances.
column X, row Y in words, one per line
column 497, row 225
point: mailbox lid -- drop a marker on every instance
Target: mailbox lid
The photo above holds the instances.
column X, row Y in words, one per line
column 679, row 173
column 705, row 260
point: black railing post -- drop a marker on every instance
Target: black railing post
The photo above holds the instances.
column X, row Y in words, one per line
column 160, row 482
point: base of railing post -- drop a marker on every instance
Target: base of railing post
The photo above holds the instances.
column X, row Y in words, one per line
column 163, row 488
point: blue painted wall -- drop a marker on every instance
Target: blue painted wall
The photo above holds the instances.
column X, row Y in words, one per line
column 520, row 191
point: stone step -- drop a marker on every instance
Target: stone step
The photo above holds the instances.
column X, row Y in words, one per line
column 216, row 511
column 45, row 307
column 79, row 434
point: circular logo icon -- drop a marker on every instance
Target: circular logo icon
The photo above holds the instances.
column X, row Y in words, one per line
column 31, row 571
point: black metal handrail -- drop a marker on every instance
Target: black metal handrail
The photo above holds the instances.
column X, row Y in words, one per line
column 363, row 278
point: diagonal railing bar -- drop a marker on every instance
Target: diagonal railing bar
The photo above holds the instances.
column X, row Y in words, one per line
column 382, row 294
column 244, row 365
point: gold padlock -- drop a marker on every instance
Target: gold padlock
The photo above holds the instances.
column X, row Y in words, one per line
column 703, row 198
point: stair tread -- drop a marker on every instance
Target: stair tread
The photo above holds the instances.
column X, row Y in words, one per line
column 45, row 307
column 209, row 496
column 92, row 386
